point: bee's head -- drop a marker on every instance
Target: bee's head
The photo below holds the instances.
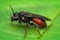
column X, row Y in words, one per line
column 14, row 17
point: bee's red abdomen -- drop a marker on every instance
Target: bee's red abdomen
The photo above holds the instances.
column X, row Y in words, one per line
column 39, row 22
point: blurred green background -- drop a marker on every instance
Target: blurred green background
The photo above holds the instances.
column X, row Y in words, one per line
column 15, row 31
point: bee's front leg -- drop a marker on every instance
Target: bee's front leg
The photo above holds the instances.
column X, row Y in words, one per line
column 26, row 30
column 19, row 20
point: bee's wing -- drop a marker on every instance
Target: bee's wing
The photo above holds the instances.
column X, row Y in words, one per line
column 44, row 18
column 27, row 14
column 41, row 17
column 37, row 16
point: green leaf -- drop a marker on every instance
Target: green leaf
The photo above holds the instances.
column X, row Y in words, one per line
column 14, row 31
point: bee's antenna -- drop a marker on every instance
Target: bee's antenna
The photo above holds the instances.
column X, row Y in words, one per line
column 12, row 9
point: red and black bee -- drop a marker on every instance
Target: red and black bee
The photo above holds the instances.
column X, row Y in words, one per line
column 26, row 17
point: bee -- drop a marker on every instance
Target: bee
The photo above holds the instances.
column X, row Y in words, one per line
column 26, row 17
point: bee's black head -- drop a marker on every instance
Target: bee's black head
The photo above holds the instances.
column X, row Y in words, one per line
column 14, row 17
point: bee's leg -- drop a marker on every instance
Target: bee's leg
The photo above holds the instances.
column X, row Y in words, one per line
column 37, row 28
column 26, row 29
column 32, row 24
column 19, row 20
